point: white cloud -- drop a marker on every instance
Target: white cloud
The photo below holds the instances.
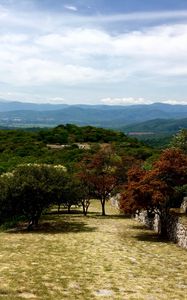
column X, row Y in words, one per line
column 71, row 7
column 143, row 16
column 79, row 55
column 3, row 12
column 42, row 49
column 160, row 42
column 136, row 101
column 125, row 101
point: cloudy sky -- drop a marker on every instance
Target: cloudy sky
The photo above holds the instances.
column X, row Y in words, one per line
column 93, row 51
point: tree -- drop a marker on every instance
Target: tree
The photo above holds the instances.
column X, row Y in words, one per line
column 172, row 167
column 180, row 140
column 72, row 193
column 8, row 209
column 97, row 173
column 58, row 181
column 31, row 189
column 153, row 189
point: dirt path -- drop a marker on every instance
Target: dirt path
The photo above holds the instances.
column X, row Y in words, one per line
column 73, row 257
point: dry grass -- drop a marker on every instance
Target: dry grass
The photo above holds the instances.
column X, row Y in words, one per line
column 73, row 257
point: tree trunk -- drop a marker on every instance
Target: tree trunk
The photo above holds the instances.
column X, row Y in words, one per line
column 84, row 209
column 33, row 222
column 30, row 225
column 103, row 207
column 85, row 206
column 163, row 229
column 58, row 207
column 69, row 209
column 163, row 224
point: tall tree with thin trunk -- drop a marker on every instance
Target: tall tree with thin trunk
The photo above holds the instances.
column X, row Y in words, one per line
column 97, row 172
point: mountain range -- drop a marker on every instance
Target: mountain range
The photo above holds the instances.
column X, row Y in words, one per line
column 127, row 118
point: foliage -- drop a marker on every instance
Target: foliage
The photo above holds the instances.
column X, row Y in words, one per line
column 110, row 154
column 72, row 193
column 157, row 140
column 30, row 189
column 69, row 134
column 30, row 146
column 180, row 140
column 97, row 174
column 157, row 126
column 153, row 189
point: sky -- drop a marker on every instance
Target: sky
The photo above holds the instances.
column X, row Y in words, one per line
column 110, row 52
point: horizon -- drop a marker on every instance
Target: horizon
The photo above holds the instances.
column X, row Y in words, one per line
column 90, row 104
column 93, row 53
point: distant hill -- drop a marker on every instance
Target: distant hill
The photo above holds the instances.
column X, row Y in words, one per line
column 17, row 114
column 157, row 126
column 6, row 106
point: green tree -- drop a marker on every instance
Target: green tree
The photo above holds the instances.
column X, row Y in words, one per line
column 72, row 193
column 32, row 188
column 180, row 140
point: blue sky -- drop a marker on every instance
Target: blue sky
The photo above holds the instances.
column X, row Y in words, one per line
column 93, row 51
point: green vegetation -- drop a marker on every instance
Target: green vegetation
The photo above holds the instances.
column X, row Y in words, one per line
column 28, row 190
column 157, row 126
column 66, row 255
column 156, row 140
column 155, row 133
column 27, row 146
column 31, row 115
column 33, row 182
column 73, row 257
column 180, row 140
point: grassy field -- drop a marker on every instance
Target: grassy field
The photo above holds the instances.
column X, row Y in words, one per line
column 75, row 257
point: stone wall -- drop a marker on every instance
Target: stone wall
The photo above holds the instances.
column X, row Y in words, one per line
column 176, row 231
column 114, row 201
column 184, row 205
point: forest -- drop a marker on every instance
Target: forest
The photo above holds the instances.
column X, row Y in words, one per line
column 70, row 165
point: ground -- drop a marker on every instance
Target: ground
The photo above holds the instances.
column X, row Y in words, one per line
column 75, row 257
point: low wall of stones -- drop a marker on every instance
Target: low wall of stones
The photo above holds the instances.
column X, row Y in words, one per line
column 176, row 231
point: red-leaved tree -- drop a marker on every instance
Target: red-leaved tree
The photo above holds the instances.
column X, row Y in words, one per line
column 97, row 173
column 152, row 190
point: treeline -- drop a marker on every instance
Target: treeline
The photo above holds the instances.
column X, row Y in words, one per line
column 35, row 176
column 145, row 181
column 31, row 188
column 30, row 146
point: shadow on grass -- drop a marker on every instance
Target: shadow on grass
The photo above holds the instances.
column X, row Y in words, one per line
column 140, row 227
column 151, row 237
column 91, row 214
column 148, row 235
column 113, row 217
column 64, row 212
column 54, row 227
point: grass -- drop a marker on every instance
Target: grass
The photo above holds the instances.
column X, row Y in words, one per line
column 75, row 257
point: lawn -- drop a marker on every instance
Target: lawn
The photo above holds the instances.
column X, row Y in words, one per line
column 75, row 257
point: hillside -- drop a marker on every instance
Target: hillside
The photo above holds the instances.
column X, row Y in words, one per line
column 157, row 126
column 17, row 114
column 26, row 146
